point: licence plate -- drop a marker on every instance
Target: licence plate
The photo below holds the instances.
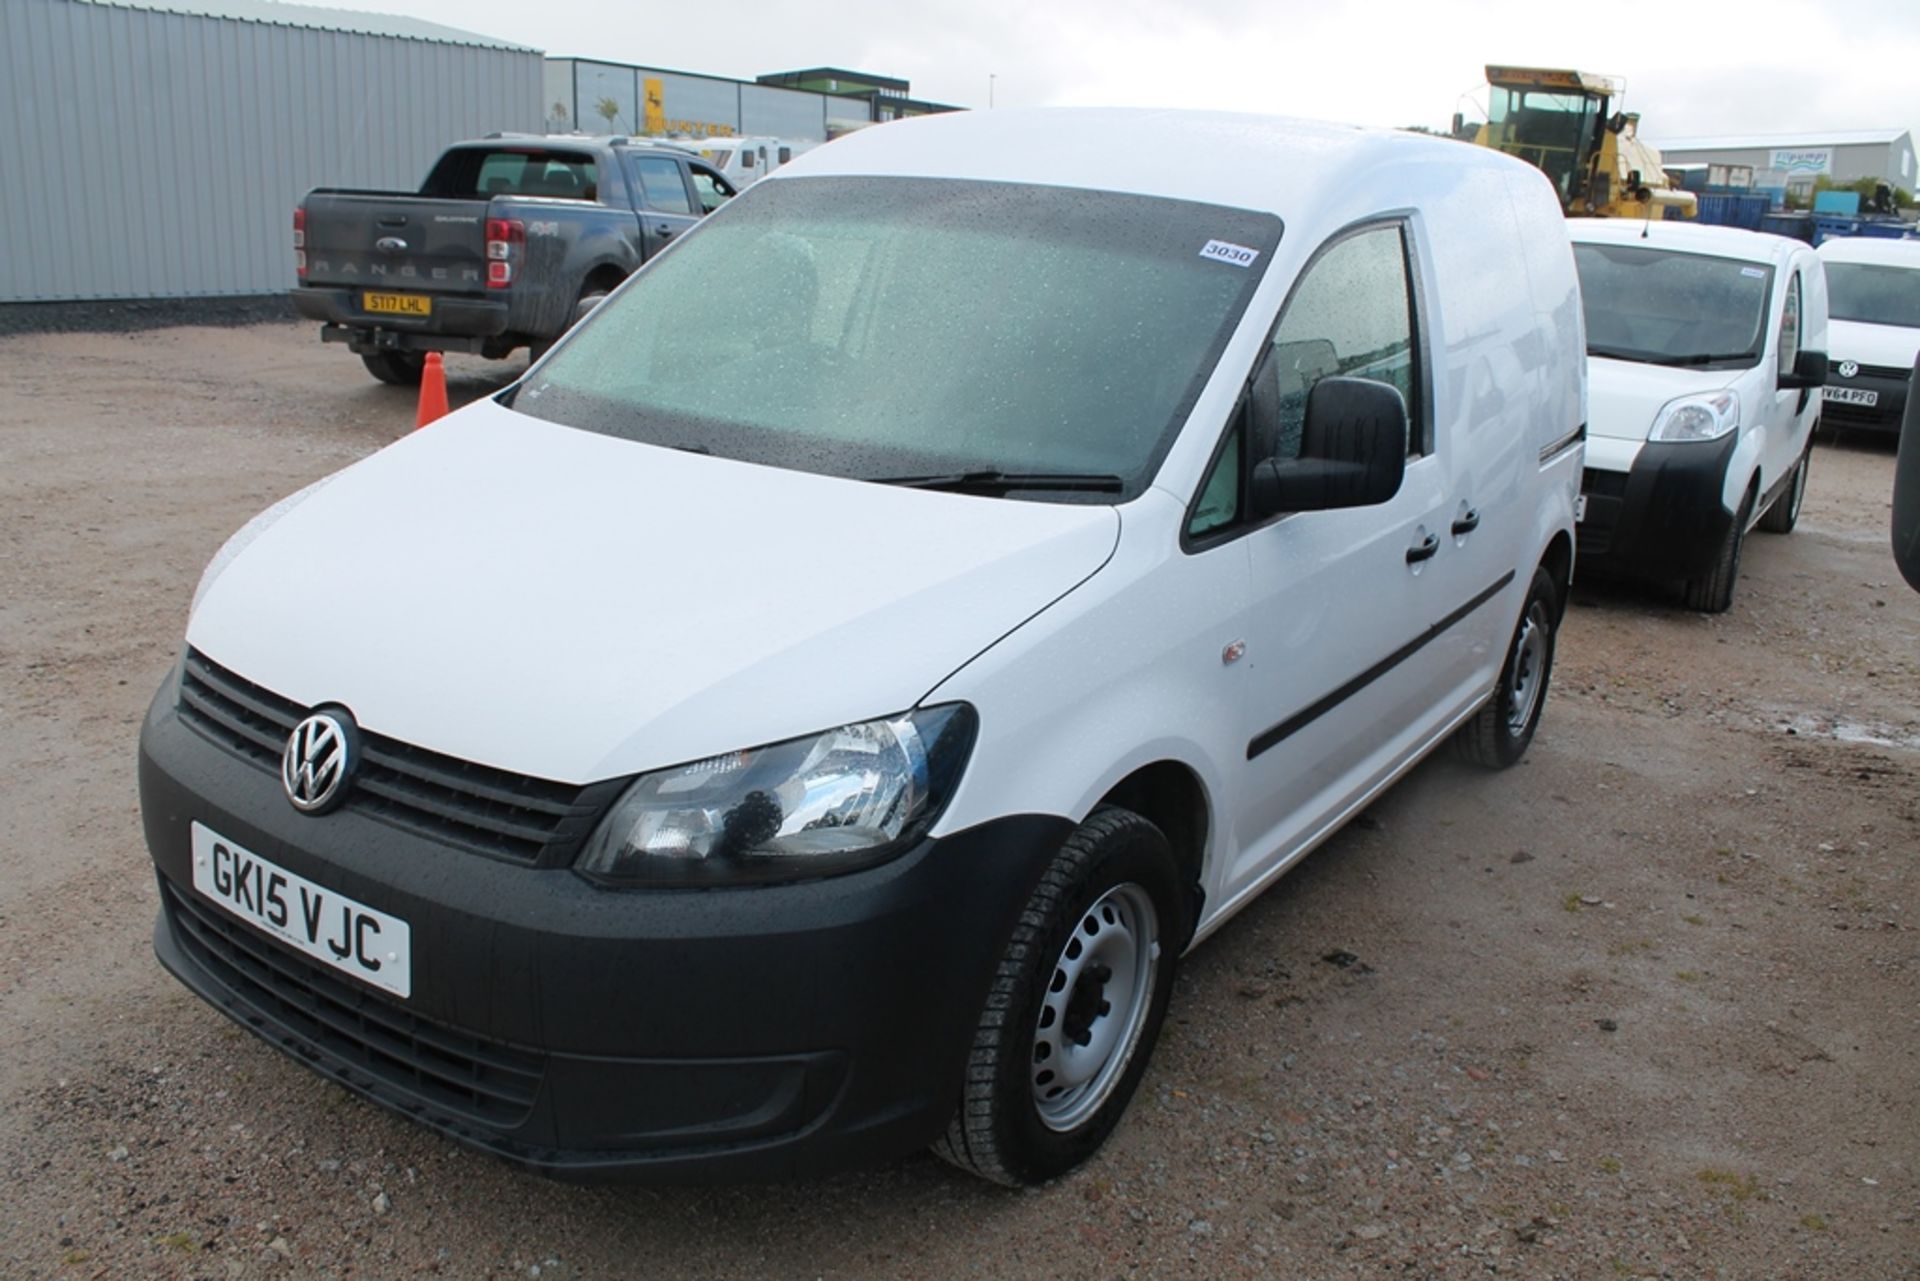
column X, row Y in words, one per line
column 397, row 304
column 1852, row 395
column 330, row 927
column 1579, row 509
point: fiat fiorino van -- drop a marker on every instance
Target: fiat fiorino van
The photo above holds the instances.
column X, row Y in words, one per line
column 785, row 734
column 1709, row 352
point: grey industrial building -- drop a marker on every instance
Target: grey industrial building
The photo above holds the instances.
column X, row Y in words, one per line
column 619, row 97
column 1795, row 161
column 156, row 148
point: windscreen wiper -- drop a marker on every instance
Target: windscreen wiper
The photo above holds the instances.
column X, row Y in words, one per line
column 993, row 481
column 1683, row 361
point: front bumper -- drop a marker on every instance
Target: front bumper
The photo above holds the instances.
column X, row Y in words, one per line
column 1890, row 391
column 757, row 1032
column 1663, row 518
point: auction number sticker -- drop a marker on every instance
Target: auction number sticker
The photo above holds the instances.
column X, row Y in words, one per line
column 331, row 928
column 1228, row 252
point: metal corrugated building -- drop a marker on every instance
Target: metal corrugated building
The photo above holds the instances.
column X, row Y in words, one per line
column 156, row 149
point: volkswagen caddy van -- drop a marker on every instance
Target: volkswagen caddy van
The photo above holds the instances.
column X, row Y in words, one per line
column 784, row 735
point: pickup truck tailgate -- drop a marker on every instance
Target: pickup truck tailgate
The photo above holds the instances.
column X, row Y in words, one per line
column 407, row 244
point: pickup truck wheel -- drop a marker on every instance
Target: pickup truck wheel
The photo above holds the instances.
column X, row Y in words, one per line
column 1075, row 1006
column 1784, row 513
column 401, row 368
column 1712, row 592
column 588, row 301
column 1499, row 732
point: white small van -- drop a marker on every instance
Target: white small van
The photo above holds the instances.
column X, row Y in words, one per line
column 1873, row 299
column 783, row 735
column 1708, row 350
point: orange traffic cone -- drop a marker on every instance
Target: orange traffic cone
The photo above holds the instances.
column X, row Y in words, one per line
column 433, row 392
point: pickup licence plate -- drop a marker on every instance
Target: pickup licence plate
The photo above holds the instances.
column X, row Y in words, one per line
column 330, row 927
column 396, row 304
column 1852, row 396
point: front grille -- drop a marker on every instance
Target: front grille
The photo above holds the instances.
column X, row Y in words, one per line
column 478, row 1079
column 476, row 807
column 1609, row 484
column 1894, row 372
column 1838, row 414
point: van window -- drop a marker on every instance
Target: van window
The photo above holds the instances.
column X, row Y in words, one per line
column 661, row 184
column 1790, row 325
column 786, row 154
column 1350, row 314
column 1666, row 308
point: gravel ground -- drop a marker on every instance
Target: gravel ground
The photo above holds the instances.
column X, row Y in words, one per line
column 1644, row 1006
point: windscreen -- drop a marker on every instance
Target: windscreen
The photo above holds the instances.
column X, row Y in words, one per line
column 881, row 328
column 1668, row 308
column 1874, row 294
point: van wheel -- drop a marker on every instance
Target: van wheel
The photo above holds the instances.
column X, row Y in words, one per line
column 1075, row 1006
column 1499, row 732
column 1712, row 592
column 1784, row 512
column 400, row 368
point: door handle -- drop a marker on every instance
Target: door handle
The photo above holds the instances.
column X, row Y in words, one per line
column 1466, row 522
column 1423, row 550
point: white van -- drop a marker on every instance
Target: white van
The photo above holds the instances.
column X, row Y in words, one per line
column 1873, row 297
column 777, row 736
column 1708, row 350
column 744, row 160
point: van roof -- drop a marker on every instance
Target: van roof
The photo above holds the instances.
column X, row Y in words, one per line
column 1265, row 163
column 1684, row 237
column 1895, row 253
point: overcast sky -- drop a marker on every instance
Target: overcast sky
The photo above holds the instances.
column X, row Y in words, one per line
column 1692, row 67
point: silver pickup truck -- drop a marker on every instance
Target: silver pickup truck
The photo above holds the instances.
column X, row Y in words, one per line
column 511, row 238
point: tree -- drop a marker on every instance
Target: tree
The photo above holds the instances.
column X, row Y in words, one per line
column 608, row 108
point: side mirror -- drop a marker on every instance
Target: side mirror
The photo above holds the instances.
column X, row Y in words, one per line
column 1353, row 451
column 1809, row 371
column 1906, row 487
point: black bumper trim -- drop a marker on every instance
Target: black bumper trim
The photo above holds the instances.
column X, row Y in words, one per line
column 1664, row 520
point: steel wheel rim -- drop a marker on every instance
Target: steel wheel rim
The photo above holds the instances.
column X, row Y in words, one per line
column 1094, row 1007
column 1527, row 680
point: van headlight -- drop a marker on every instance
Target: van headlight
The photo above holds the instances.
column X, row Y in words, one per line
column 832, row 802
column 1703, row 417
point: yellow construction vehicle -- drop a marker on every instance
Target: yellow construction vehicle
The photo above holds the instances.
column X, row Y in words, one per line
column 1558, row 122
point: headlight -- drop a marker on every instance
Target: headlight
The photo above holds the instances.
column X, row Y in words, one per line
column 831, row 802
column 1707, row 417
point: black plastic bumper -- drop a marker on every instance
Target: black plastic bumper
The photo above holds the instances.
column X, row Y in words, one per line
column 1890, row 389
column 749, row 1033
column 457, row 324
column 1662, row 519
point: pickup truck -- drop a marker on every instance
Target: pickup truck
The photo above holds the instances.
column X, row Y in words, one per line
column 511, row 239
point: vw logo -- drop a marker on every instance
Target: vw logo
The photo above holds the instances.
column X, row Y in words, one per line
column 1848, row 368
column 390, row 244
column 317, row 760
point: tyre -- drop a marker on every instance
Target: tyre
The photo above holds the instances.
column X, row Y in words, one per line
column 1075, row 1006
column 1712, row 592
column 1784, row 512
column 1499, row 732
column 401, row 368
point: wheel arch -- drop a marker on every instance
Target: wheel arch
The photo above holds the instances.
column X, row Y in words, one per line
column 1557, row 560
column 1170, row 795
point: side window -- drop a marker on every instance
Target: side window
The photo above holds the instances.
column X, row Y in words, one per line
column 1351, row 313
column 1790, row 325
column 786, row 154
column 661, row 184
column 711, row 188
